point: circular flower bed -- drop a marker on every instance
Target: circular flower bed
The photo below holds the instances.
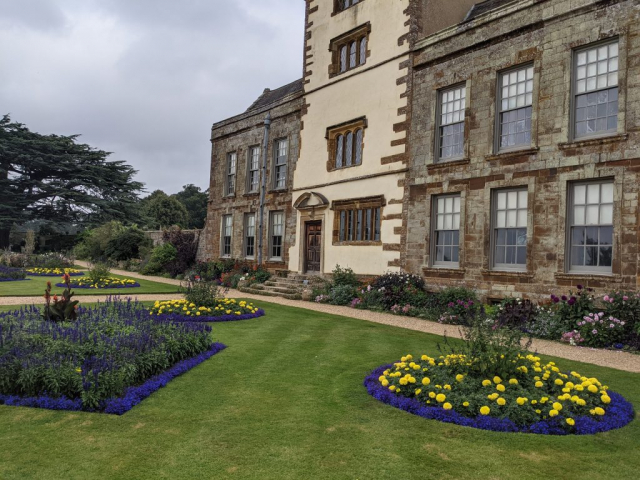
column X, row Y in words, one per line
column 54, row 272
column 225, row 310
column 109, row 282
column 10, row 274
column 534, row 398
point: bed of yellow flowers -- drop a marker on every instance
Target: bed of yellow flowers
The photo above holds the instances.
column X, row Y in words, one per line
column 220, row 307
column 53, row 272
column 107, row 282
column 532, row 392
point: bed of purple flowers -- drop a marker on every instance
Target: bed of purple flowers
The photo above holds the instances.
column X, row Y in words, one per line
column 619, row 413
column 10, row 274
column 111, row 358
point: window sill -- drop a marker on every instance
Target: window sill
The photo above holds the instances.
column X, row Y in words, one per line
column 600, row 140
column 339, row 169
column 511, row 153
column 251, row 194
column 225, row 197
column 358, row 243
column 278, row 190
column 276, row 260
column 504, row 273
column 447, row 163
column 585, row 276
column 435, row 271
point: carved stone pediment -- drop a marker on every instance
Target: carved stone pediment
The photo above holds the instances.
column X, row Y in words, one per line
column 311, row 201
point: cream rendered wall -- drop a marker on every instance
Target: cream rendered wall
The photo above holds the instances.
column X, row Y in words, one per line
column 371, row 90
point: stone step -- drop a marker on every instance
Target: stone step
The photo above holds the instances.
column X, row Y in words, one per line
column 284, row 290
column 266, row 293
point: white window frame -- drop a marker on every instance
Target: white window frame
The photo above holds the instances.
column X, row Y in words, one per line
column 226, row 227
column 522, row 90
column 446, row 200
column 280, row 163
column 272, row 218
column 230, row 174
column 571, row 220
column 462, row 87
column 249, row 233
column 517, row 209
column 612, row 78
column 253, row 167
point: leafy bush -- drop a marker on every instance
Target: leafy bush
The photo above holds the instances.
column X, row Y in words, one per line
column 626, row 307
column 98, row 272
column 516, row 313
column 344, row 276
column 10, row 273
column 342, row 294
column 572, row 308
column 399, row 280
column 93, row 243
column 128, row 244
column 600, row 330
column 65, row 359
column 186, row 250
column 63, row 308
column 202, row 294
column 547, row 324
column 160, row 256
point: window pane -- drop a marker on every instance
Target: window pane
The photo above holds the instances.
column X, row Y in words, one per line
column 352, row 55
column 363, row 51
column 359, row 147
column 343, row 59
column 339, row 150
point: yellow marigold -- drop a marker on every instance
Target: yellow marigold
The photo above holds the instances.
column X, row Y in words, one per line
column 521, row 400
column 392, row 388
column 459, row 377
column 497, row 379
column 501, row 401
column 493, row 396
column 571, row 421
column 513, row 381
column 553, row 413
column 426, row 381
column 500, row 388
column 606, row 399
column 447, row 387
column 418, row 391
column 592, row 388
column 385, row 383
column 485, row 410
column 441, row 397
column 432, row 394
column 486, row 383
column 447, row 406
column 424, row 358
column 558, row 382
column 599, row 411
column 582, row 402
column 465, row 404
column 539, row 384
column 557, row 406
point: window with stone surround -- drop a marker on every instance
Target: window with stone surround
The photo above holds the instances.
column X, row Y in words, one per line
column 509, row 229
column 591, row 227
column 253, row 170
column 595, row 89
column 350, row 50
column 450, row 123
column 230, row 179
column 515, row 98
column 358, row 221
column 340, row 5
column 446, row 231
column 346, row 144
column 276, row 237
column 281, row 153
column 227, row 233
column 249, row 235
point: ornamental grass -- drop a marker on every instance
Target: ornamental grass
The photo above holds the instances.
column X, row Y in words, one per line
column 54, row 272
column 221, row 310
column 108, row 360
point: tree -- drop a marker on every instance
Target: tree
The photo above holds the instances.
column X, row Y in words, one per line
column 53, row 178
column 161, row 211
column 195, row 201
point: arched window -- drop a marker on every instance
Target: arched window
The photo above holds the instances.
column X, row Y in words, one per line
column 349, row 150
column 363, row 50
column 353, row 54
column 343, row 59
column 339, row 150
column 359, row 147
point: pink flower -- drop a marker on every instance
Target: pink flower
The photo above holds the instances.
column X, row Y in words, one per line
column 625, row 298
column 594, row 331
column 606, row 298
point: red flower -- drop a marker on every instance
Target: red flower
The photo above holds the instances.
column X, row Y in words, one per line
column 55, row 298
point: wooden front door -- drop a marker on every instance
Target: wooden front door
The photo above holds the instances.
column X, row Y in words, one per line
column 313, row 246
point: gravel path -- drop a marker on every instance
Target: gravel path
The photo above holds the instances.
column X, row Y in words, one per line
column 170, row 281
column 605, row 358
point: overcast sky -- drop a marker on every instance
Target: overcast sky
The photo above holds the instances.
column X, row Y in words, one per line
column 145, row 79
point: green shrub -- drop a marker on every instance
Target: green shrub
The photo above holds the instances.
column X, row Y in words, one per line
column 344, row 276
column 342, row 294
column 128, row 244
column 202, row 294
column 160, row 256
column 98, row 272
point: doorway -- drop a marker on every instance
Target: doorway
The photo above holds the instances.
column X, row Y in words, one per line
column 313, row 247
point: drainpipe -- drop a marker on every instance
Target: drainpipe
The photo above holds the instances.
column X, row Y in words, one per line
column 263, row 186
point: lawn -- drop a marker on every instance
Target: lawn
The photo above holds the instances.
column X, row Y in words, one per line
column 286, row 400
column 36, row 286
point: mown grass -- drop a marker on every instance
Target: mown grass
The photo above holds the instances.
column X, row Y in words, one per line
column 37, row 285
column 286, row 401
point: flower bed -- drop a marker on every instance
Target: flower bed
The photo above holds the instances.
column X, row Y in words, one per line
column 536, row 398
column 225, row 310
column 110, row 359
column 54, row 272
column 10, row 274
column 109, row 282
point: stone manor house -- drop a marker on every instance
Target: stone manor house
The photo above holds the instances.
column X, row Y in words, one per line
column 491, row 144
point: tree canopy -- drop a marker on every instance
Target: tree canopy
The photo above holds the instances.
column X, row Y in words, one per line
column 54, row 178
column 195, row 201
column 161, row 210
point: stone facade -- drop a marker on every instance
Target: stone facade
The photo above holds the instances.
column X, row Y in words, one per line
column 544, row 34
column 237, row 135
